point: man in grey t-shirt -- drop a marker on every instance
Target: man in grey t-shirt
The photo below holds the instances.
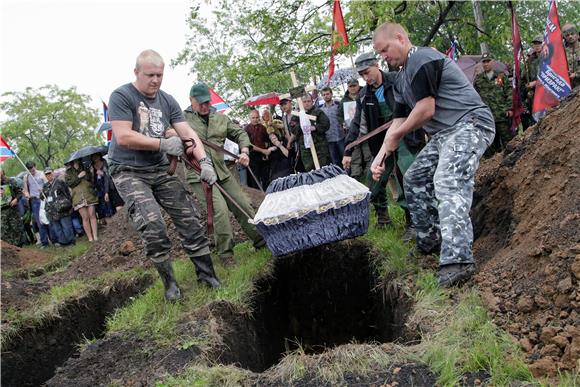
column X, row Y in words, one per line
column 140, row 114
column 432, row 92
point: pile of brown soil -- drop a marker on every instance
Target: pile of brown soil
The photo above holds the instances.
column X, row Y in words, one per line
column 527, row 225
column 18, row 258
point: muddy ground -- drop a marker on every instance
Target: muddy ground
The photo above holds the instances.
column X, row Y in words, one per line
column 526, row 217
column 527, row 225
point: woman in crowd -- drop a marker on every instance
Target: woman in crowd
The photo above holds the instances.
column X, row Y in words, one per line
column 279, row 160
column 79, row 178
column 109, row 200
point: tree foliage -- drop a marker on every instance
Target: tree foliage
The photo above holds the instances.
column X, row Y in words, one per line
column 48, row 123
column 247, row 48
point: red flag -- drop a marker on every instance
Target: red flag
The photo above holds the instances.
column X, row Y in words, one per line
column 217, row 102
column 517, row 107
column 5, row 151
column 339, row 37
column 553, row 82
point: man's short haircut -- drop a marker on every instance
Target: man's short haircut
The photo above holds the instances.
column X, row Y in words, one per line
column 308, row 95
column 326, row 88
column 389, row 29
column 149, row 56
column 255, row 111
column 30, row 164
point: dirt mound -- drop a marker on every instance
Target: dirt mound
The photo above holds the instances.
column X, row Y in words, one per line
column 119, row 247
column 527, row 225
column 15, row 257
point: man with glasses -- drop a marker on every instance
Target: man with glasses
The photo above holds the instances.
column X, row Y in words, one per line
column 570, row 34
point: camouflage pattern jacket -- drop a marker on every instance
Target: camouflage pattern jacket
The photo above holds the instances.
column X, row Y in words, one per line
column 495, row 93
column 573, row 58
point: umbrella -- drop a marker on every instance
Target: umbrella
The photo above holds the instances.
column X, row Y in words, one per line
column 105, row 126
column 263, row 99
column 339, row 77
column 86, row 152
column 470, row 65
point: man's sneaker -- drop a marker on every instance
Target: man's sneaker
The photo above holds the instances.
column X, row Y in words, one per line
column 455, row 274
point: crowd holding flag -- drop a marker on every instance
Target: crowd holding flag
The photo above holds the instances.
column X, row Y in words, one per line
column 553, row 79
column 217, row 102
column 517, row 106
column 338, row 35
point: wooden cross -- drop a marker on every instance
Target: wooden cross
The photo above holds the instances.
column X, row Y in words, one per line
column 297, row 92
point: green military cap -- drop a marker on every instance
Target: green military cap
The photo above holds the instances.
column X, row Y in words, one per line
column 200, row 92
column 538, row 38
column 486, row 56
column 569, row 29
column 364, row 61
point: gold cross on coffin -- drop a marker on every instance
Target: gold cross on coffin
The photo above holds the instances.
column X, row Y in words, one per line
column 297, row 92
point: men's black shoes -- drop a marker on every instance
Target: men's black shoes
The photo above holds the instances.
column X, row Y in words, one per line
column 455, row 274
column 383, row 219
column 172, row 292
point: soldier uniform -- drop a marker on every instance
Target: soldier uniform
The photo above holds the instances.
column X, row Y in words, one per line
column 494, row 88
column 572, row 53
column 216, row 129
column 529, row 73
column 12, row 230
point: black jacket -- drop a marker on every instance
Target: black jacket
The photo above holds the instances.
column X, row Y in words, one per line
column 369, row 105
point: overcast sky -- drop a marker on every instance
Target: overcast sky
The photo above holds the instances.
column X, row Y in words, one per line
column 90, row 44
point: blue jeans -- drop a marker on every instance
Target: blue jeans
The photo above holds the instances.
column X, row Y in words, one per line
column 42, row 228
column 336, row 150
column 77, row 223
column 63, row 231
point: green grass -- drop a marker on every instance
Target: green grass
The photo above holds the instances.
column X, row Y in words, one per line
column 151, row 316
column 48, row 304
column 201, row 376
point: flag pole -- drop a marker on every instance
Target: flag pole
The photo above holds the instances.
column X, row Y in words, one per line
column 24, row 166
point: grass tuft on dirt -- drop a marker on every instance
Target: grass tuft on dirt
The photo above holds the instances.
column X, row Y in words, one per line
column 151, row 316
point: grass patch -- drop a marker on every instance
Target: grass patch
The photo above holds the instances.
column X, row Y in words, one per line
column 151, row 316
column 48, row 304
column 61, row 258
column 468, row 341
column 219, row 375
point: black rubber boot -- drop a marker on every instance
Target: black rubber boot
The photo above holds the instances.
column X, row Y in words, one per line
column 172, row 292
column 383, row 219
column 455, row 274
column 205, row 272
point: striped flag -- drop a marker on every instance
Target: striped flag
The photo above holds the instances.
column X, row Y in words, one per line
column 453, row 51
column 5, row 151
column 217, row 102
column 106, row 116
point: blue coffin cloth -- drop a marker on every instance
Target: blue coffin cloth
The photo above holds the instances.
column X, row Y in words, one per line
column 310, row 209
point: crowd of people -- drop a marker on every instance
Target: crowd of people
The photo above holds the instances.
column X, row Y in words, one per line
column 428, row 156
column 55, row 207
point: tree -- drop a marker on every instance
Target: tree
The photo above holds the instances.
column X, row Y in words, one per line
column 246, row 48
column 48, row 123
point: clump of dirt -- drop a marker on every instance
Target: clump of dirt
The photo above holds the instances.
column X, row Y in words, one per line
column 16, row 257
column 527, row 225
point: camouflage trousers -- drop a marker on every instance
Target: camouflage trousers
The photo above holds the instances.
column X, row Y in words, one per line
column 439, row 189
column 144, row 194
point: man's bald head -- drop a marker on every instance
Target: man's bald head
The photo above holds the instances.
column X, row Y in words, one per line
column 392, row 43
column 149, row 57
column 390, row 30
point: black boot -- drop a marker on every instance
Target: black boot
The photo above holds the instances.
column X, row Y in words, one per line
column 172, row 292
column 383, row 219
column 205, row 272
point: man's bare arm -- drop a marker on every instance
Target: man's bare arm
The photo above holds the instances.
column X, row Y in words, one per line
column 127, row 137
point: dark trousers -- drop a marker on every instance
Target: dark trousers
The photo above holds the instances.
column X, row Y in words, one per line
column 261, row 169
column 336, row 150
column 62, row 231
